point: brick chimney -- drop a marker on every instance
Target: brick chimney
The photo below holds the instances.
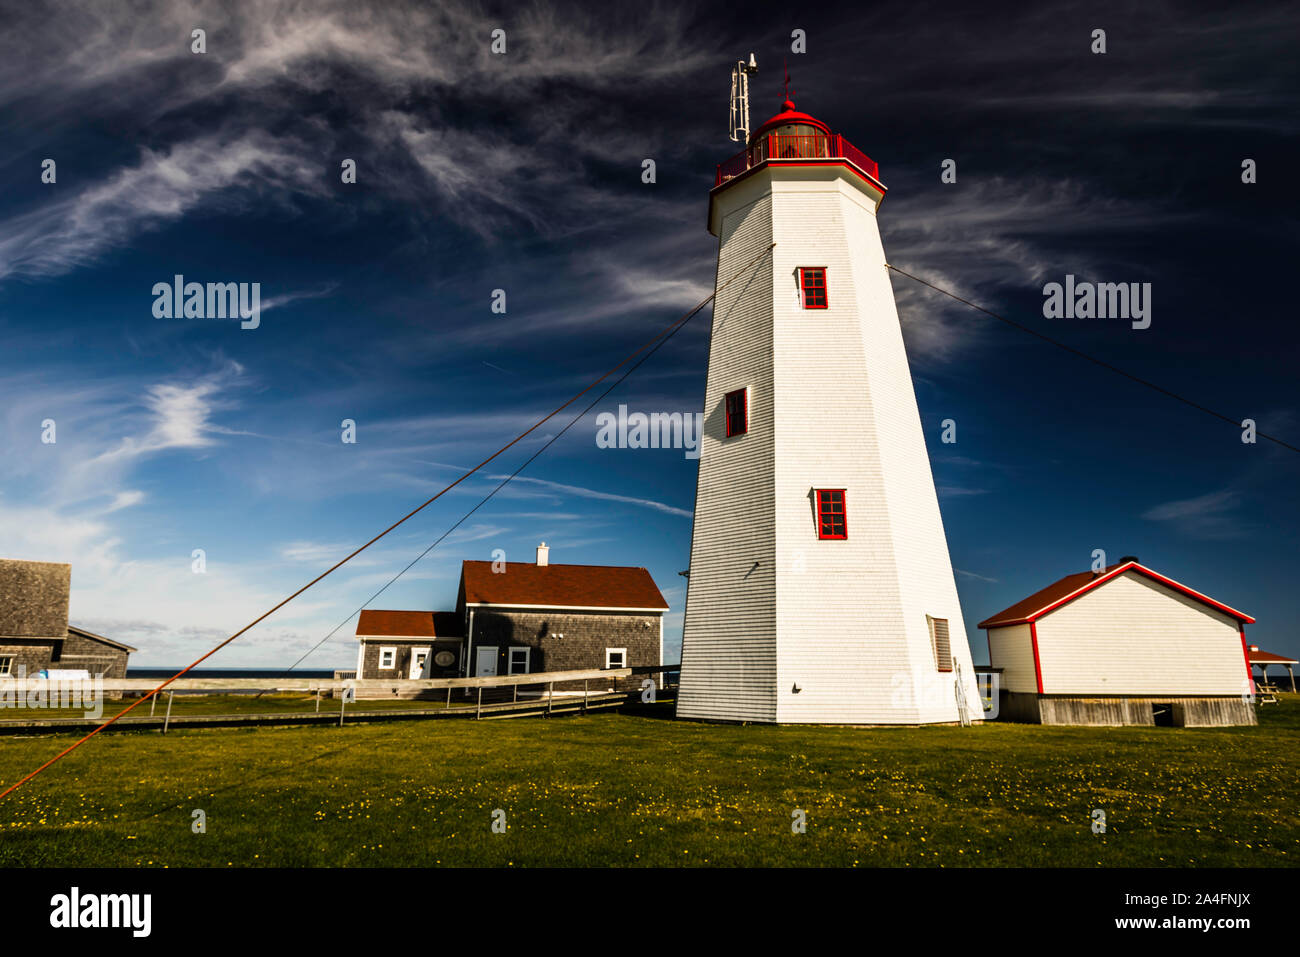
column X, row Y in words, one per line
column 543, row 555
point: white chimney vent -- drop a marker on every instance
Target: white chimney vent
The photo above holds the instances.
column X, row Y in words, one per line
column 543, row 555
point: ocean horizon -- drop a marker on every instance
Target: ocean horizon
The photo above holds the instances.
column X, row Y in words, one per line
column 231, row 672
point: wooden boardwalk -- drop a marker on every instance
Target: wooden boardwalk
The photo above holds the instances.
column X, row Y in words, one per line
column 502, row 700
column 333, row 716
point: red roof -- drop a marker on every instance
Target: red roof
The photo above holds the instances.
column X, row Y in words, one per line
column 1258, row 657
column 524, row 584
column 787, row 116
column 410, row 624
column 1072, row 586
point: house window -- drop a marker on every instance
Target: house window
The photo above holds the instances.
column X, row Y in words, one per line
column 6, row 664
column 520, row 659
column 387, row 658
column 940, row 643
column 812, row 283
column 615, row 657
column 831, row 519
column 737, row 412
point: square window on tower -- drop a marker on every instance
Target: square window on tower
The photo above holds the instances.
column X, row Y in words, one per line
column 737, row 412
column 832, row 522
column 812, row 286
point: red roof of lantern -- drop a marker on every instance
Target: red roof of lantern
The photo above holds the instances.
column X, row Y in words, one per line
column 788, row 115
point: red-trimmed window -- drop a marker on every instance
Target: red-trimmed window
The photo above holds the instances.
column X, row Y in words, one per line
column 737, row 412
column 832, row 522
column 812, row 283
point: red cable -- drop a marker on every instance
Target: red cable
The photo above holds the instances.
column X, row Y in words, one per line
column 72, row 747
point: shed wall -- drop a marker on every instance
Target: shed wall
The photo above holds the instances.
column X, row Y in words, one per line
column 1011, row 648
column 1135, row 636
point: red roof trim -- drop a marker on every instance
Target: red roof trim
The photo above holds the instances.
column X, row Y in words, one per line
column 1250, row 675
column 1038, row 668
column 814, row 161
column 996, row 622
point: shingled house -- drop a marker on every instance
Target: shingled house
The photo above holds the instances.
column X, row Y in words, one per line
column 520, row 618
column 34, row 632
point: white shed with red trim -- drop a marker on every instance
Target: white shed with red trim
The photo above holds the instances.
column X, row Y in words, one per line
column 1123, row 646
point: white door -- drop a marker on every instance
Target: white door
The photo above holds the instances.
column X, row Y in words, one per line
column 485, row 660
column 418, row 658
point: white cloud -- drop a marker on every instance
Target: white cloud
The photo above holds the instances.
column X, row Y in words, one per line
column 162, row 187
column 991, row 235
column 1212, row 516
column 1212, row 503
column 604, row 496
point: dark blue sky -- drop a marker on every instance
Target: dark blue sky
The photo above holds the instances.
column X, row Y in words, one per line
column 522, row 172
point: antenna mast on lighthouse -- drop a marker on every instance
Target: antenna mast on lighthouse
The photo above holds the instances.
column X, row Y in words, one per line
column 740, row 75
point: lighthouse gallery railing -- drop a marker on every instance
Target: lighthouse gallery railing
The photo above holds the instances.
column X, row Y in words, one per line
column 778, row 146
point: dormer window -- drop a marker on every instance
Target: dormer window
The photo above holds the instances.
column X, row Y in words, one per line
column 812, row 286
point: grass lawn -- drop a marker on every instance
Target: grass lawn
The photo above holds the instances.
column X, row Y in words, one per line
column 618, row 789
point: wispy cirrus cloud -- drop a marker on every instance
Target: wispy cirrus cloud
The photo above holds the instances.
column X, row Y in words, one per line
column 582, row 492
column 994, row 235
column 163, row 187
column 1209, row 516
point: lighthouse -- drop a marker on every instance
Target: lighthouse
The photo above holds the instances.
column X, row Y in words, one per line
column 820, row 587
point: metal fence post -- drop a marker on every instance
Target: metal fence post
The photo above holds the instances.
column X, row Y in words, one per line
column 550, row 696
column 343, row 704
column 478, row 710
column 318, row 700
column 167, row 720
column 584, row 695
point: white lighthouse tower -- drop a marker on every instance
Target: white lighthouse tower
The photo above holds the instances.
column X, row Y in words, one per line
column 820, row 588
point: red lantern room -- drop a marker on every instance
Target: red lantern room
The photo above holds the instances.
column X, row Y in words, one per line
column 796, row 137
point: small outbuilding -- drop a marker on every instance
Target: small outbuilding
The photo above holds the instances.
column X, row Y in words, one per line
column 1263, row 660
column 35, row 636
column 1122, row 646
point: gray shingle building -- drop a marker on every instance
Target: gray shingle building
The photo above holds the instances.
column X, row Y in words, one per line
column 520, row 618
column 34, row 632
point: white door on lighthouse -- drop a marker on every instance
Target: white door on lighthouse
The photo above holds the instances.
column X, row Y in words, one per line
column 485, row 661
column 818, row 558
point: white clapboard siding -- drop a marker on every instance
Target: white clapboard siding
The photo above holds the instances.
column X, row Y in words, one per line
column 729, row 631
column 831, row 406
column 1133, row 635
column 1011, row 648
